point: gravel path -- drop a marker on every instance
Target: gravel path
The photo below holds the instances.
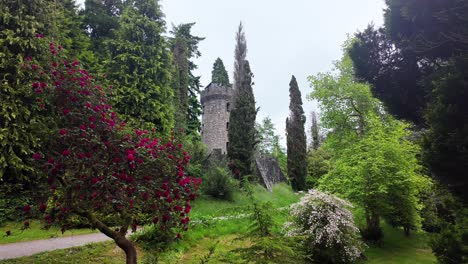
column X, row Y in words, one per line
column 21, row 249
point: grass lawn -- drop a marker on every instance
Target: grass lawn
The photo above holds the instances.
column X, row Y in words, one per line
column 400, row 249
column 35, row 232
column 209, row 241
column 102, row 253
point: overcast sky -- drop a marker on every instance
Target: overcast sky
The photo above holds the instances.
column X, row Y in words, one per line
column 284, row 38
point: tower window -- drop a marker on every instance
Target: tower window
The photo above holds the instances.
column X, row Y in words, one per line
column 228, row 107
column 227, row 125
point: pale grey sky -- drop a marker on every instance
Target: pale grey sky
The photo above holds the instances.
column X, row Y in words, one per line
column 284, row 38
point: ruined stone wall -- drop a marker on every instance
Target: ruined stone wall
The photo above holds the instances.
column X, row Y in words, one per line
column 216, row 101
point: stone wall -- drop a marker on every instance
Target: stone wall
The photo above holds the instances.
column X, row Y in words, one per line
column 268, row 171
column 215, row 100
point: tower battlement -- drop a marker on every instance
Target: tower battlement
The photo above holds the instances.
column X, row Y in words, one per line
column 216, row 103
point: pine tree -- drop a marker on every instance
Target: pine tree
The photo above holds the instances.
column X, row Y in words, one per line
column 140, row 66
column 186, row 86
column 296, row 139
column 219, row 74
column 241, row 132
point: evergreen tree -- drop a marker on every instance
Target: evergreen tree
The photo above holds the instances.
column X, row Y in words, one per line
column 240, row 54
column 186, row 86
column 241, row 132
column 296, row 139
column 219, row 74
column 315, row 131
column 140, row 66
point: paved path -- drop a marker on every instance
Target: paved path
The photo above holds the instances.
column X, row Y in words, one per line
column 21, row 249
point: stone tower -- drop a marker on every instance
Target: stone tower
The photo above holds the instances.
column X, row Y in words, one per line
column 216, row 103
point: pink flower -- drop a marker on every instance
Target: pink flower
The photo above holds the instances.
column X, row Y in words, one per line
column 130, row 157
column 36, row 156
column 83, row 127
column 66, row 111
column 66, row 153
column 63, row 131
column 39, row 35
column 35, row 85
column 28, row 58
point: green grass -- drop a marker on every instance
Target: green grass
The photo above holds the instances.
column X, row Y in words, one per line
column 104, row 252
column 216, row 241
column 399, row 249
column 35, row 232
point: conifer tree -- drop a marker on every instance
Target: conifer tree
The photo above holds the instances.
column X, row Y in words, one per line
column 140, row 66
column 241, row 132
column 185, row 84
column 296, row 139
column 219, row 74
column 314, row 131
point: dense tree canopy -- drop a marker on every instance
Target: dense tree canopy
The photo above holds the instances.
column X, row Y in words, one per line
column 416, row 64
column 140, row 66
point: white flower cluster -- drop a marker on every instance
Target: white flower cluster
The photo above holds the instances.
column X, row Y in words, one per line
column 326, row 223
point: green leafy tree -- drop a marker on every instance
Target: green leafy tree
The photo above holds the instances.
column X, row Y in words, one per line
column 241, row 131
column 140, row 66
column 266, row 136
column 373, row 163
column 317, row 166
column 219, row 74
column 296, row 139
column 416, row 64
column 186, row 86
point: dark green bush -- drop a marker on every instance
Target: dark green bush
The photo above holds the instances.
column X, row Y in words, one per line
column 451, row 245
column 219, row 183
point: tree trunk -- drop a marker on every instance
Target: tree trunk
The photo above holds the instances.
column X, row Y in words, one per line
column 128, row 247
column 373, row 231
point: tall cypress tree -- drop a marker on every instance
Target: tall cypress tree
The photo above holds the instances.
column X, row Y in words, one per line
column 185, row 84
column 140, row 66
column 296, row 139
column 219, row 74
column 315, row 131
column 241, row 132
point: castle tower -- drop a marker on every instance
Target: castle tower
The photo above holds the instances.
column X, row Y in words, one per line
column 216, row 103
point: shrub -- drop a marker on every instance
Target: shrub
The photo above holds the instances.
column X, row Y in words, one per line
column 219, row 183
column 328, row 229
column 451, row 245
column 98, row 168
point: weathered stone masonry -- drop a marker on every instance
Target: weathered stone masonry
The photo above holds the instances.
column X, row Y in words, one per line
column 216, row 103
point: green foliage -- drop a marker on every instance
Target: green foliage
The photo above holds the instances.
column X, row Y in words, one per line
column 219, row 74
column 451, row 245
column 186, row 86
column 219, row 183
column 373, row 163
column 416, row 64
column 267, row 139
column 23, row 127
column 318, row 165
column 140, row 66
column 296, row 139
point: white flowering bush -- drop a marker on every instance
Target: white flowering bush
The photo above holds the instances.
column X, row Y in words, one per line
column 330, row 235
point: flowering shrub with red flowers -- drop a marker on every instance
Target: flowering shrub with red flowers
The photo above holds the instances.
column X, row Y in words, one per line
column 97, row 167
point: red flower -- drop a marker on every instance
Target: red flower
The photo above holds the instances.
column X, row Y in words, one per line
column 66, row 153
column 178, row 236
column 35, row 85
column 39, row 35
column 83, row 127
column 66, row 111
column 130, row 157
column 36, row 156
column 27, row 208
column 95, row 180
column 63, row 131
column 42, row 207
